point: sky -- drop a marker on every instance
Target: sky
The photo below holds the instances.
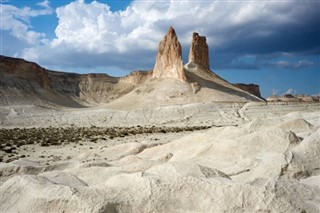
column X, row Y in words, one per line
column 272, row 43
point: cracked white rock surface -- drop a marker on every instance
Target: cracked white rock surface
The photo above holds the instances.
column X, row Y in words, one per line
column 264, row 159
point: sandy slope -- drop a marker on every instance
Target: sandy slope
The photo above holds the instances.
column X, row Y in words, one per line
column 262, row 158
column 202, row 86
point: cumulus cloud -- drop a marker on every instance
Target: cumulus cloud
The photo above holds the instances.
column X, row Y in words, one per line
column 90, row 34
column 293, row 65
column 45, row 4
column 291, row 92
column 17, row 21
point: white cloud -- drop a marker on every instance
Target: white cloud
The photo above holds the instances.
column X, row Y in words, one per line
column 17, row 21
column 282, row 63
column 96, row 35
column 303, row 63
column 45, row 4
column 294, row 65
column 276, row 92
column 291, row 91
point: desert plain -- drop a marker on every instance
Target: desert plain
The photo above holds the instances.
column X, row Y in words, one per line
column 175, row 139
column 253, row 157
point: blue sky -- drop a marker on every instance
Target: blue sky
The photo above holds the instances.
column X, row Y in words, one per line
column 275, row 44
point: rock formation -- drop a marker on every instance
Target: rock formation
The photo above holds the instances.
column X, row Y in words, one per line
column 168, row 62
column 137, row 77
column 294, row 98
column 23, row 82
column 199, row 51
column 26, row 70
column 251, row 88
column 195, row 86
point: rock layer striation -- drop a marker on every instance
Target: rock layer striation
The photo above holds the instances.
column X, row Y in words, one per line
column 199, row 51
column 169, row 63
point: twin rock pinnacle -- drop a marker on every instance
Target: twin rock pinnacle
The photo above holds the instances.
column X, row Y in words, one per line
column 169, row 62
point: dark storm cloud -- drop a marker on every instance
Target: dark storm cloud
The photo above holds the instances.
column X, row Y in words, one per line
column 265, row 39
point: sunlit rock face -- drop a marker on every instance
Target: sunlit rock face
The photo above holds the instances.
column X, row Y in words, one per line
column 199, row 51
column 169, row 62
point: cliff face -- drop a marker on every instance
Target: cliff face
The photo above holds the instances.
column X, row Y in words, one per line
column 102, row 88
column 20, row 67
column 168, row 62
column 137, row 77
column 199, row 51
column 251, row 88
column 23, row 82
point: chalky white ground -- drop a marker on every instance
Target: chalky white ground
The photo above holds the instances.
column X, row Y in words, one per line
column 257, row 157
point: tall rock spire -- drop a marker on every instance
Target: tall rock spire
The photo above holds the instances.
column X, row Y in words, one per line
column 168, row 62
column 199, row 51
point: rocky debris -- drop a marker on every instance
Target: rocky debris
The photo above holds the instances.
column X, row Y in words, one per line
column 294, row 98
column 195, row 87
column 308, row 98
column 251, row 88
column 285, row 98
column 199, row 51
column 13, row 140
column 169, row 63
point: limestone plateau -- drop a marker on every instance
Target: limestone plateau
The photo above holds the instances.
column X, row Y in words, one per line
column 170, row 82
column 252, row 88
